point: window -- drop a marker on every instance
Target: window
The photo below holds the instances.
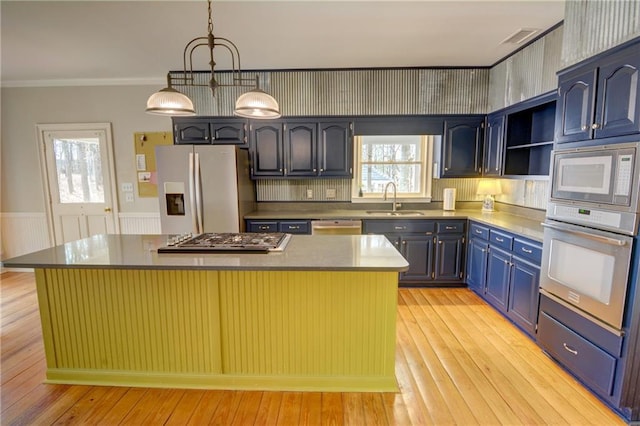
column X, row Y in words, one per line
column 403, row 159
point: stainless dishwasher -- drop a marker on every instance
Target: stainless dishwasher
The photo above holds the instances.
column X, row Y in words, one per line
column 336, row 227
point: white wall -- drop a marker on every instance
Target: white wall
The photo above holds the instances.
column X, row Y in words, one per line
column 22, row 198
column 24, row 108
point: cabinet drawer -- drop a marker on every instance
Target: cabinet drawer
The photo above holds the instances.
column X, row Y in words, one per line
column 501, row 240
column 527, row 250
column 456, row 227
column 590, row 363
column 263, row 226
column 398, row 226
column 479, row 231
column 294, row 226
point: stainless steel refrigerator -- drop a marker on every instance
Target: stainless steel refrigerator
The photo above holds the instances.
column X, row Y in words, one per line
column 203, row 188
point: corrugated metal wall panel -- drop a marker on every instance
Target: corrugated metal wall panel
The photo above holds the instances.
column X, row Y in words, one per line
column 528, row 73
column 594, row 26
column 296, row 189
column 524, row 71
column 552, row 62
column 498, row 86
column 357, row 92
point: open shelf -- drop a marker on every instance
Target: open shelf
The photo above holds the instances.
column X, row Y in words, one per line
column 529, row 137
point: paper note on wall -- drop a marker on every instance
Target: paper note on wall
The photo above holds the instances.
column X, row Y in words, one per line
column 145, row 148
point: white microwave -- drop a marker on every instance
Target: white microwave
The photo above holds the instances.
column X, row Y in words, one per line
column 605, row 176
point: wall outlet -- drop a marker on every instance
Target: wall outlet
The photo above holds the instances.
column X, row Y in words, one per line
column 128, row 197
column 330, row 193
column 127, row 187
column 309, row 193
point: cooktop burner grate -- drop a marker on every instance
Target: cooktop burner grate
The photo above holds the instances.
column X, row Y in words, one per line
column 211, row 242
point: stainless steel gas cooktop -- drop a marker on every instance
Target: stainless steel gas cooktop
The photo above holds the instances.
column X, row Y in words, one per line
column 221, row 242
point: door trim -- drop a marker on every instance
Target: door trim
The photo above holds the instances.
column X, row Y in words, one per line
column 41, row 129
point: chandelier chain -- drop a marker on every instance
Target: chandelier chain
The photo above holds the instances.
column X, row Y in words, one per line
column 210, row 24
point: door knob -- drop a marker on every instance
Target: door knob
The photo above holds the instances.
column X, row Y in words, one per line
column 107, row 209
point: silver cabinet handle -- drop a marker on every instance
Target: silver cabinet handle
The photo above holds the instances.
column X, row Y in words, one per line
column 263, row 227
column 449, row 227
column 595, row 126
column 500, row 240
column 400, row 228
column 478, row 231
column 294, row 227
column 526, row 250
column 570, row 349
column 585, row 127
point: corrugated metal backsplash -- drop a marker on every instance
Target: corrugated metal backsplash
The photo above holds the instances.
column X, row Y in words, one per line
column 594, row 26
column 357, row 92
column 527, row 193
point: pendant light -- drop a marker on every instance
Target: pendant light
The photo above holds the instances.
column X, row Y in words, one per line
column 169, row 101
column 255, row 103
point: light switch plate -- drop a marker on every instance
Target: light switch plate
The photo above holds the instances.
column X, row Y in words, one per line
column 330, row 193
column 127, row 187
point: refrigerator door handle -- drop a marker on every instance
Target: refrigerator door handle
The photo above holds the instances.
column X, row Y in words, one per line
column 192, row 199
column 198, row 184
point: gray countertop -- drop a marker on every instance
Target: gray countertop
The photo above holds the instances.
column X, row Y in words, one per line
column 520, row 225
column 304, row 252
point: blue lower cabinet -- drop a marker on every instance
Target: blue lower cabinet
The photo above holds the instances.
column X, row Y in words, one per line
column 286, row 226
column 433, row 248
column 524, row 294
column 418, row 250
column 498, row 274
column 590, row 363
column 504, row 269
column 477, row 255
column 449, row 259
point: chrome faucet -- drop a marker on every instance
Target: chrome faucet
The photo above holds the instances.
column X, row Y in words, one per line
column 395, row 194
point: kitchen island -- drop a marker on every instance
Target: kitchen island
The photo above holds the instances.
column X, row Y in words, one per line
column 318, row 316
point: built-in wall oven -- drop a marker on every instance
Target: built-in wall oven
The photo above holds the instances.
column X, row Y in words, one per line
column 592, row 218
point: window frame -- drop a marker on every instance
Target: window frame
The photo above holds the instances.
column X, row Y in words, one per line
column 426, row 161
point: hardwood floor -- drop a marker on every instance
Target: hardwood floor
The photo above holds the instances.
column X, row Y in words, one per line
column 457, row 362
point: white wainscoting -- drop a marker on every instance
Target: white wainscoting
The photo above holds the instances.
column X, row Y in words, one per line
column 23, row 233
column 140, row 223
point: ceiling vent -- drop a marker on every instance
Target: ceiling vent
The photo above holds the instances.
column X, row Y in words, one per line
column 519, row 36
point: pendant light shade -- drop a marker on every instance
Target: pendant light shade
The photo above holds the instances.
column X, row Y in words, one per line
column 169, row 101
column 257, row 104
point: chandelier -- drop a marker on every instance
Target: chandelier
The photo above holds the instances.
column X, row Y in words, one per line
column 253, row 104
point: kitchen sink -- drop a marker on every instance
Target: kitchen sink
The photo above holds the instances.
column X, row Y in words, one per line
column 394, row 213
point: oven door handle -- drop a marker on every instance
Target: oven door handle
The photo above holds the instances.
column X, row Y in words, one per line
column 596, row 237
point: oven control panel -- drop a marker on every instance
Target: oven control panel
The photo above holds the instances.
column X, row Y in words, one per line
column 620, row 222
column 596, row 217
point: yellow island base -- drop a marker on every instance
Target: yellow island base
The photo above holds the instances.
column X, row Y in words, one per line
column 309, row 330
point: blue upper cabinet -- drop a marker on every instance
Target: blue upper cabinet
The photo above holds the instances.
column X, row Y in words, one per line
column 494, row 145
column 335, row 150
column 301, row 145
column 462, row 147
column 301, row 148
column 618, row 107
column 600, row 98
column 267, row 149
column 209, row 130
column 575, row 106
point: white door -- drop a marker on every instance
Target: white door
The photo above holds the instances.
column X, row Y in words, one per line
column 79, row 179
